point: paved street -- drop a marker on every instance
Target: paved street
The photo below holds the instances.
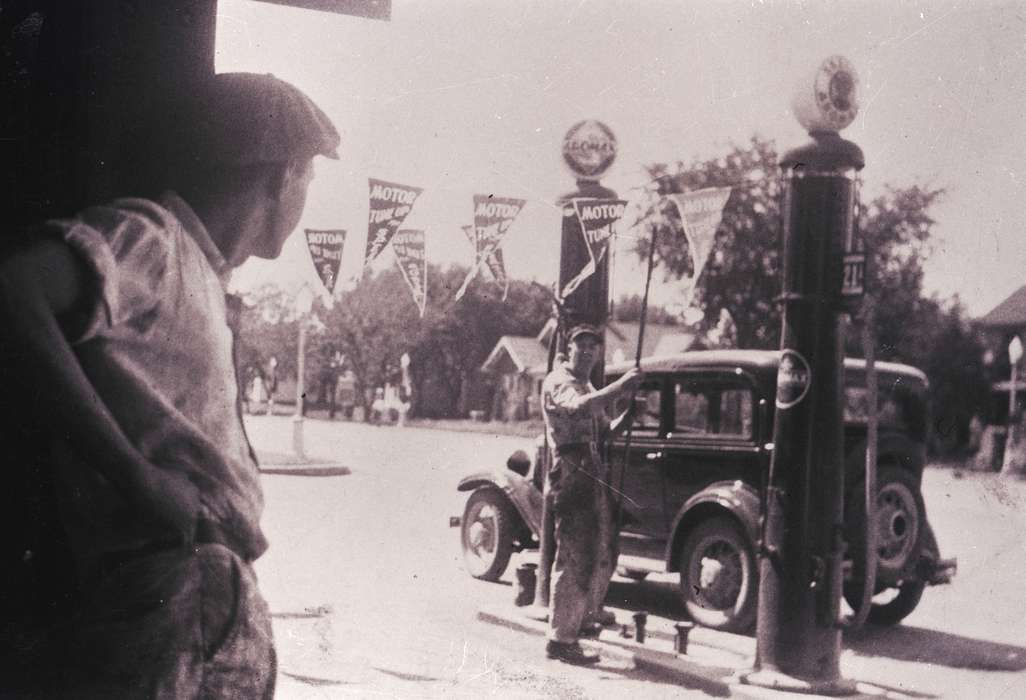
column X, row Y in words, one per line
column 370, row 599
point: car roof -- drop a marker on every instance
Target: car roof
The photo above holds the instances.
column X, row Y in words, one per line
column 756, row 361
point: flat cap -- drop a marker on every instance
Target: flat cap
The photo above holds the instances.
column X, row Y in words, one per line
column 584, row 329
column 246, row 119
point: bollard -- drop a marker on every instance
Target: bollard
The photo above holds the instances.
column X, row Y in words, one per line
column 625, row 631
column 683, row 630
column 526, row 580
column 640, row 618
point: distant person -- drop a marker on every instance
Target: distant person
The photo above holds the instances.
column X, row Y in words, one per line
column 271, row 384
column 257, row 392
column 117, row 319
column 575, row 419
column 379, row 408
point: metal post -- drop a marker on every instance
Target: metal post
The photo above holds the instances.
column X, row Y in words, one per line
column 800, row 562
column 297, row 420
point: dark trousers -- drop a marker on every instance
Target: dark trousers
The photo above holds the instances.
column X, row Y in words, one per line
column 575, row 503
column 180, row 623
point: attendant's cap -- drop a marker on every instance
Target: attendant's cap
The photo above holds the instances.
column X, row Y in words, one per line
column 584, row 329
column 247, row 119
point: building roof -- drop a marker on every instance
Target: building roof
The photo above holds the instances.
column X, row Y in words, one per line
column 515, row 353
column 1011, row 313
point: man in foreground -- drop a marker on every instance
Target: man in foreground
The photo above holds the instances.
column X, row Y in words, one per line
column 117, row 320
column 575, row 418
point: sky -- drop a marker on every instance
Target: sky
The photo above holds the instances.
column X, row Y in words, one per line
column 464, row 98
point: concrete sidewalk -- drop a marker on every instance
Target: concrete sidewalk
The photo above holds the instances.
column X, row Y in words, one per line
column 714, row 662
column 292, row 465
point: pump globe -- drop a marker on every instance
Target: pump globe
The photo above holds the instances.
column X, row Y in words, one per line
column 827, row 99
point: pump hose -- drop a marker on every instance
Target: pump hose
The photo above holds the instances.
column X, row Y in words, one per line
column 870, row 531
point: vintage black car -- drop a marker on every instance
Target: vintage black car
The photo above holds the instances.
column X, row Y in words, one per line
column 694, row 485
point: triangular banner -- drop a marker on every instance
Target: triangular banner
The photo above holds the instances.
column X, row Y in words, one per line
column 598, row 219
column 700, row 213
column 409, row 256
column 492, row 218
column 326, row 252
column 389, row 205
column 493, row 262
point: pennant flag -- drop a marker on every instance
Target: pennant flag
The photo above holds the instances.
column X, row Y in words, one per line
column 326, row 253
column 409, row 256
column 700, row 213
column 493, row 262
column 598, row 219
column 492, row 218
column 389, row 205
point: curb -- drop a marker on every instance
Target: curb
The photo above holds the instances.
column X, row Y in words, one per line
column 712, row 675
column 307, row 470
column 714, row 663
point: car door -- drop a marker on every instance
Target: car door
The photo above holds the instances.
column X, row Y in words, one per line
column 642, row 482
column 712, row 436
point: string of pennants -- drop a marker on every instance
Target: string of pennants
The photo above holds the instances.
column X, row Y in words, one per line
column 600, row 219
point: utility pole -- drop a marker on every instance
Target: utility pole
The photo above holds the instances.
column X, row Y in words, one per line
column 802, row 549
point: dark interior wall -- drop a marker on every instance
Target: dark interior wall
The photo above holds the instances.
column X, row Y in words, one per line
column 83, row 81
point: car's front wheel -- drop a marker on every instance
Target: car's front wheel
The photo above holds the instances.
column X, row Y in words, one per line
column 487, row 534
column 718, row 576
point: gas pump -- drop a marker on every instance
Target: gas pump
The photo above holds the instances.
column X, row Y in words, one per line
column 802, row 548
column 589, row 149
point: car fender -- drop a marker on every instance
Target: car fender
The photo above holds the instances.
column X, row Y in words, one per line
column 519, row 490
column 734, row 497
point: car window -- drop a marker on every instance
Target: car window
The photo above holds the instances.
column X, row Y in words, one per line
column 648, row 400
column 705, row 406
column 692, row 411
column 889, row 412
column 736, row 412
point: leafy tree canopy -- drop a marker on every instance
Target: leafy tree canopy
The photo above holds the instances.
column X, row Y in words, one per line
column 742, row 275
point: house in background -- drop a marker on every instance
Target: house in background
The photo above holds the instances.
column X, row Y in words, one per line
column 998, row 327
column 517, row 364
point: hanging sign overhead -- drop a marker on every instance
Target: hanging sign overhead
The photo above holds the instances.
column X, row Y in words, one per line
column 493, row 262
column 326, row 252
column 598, row 219
column 409, row 256
column 700, row 213
column 389, row 205
column 589, row 148
column 492, row 218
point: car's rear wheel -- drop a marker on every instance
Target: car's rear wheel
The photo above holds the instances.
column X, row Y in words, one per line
column 900, row 521
column 893, row 604
column 718, row 578
column 487, row 534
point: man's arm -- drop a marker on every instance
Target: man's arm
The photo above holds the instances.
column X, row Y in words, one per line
column 597, row 401
column 42, row 287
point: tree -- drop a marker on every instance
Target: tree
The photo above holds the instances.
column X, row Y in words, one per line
column 628, row 310
column 742, row 276
column 742, row 273
column 267, row 329
column 372, row 325
column 458, row 336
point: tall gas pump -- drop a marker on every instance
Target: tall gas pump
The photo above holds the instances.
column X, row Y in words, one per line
column 589, row 149
column 800, row 560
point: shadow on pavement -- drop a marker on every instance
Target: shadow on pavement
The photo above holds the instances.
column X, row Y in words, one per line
column 659, row 598
column 906, row 643
column 902, row 643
